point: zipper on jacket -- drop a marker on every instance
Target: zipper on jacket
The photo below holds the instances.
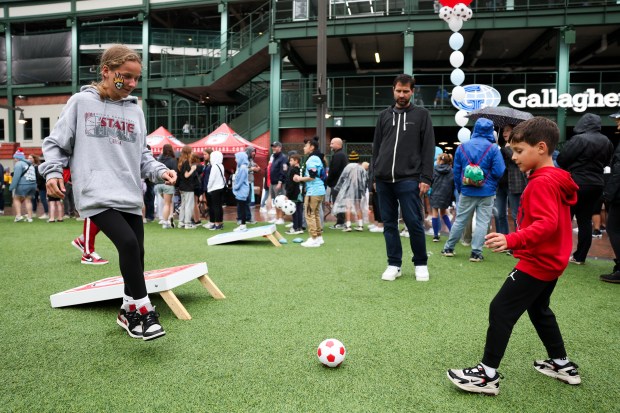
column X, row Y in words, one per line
column 395, row 146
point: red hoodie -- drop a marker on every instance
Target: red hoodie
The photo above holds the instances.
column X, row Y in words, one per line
column 544, row 237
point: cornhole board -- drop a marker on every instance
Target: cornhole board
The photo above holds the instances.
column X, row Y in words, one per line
column 157, row 281
column 268, row 231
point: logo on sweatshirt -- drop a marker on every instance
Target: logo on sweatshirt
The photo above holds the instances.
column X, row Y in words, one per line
column 108, row 126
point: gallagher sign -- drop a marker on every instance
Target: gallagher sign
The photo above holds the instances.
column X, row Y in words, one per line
column 477, row 97
column 548, row 98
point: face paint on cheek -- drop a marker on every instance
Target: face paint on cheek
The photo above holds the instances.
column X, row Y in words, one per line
column 119, row 81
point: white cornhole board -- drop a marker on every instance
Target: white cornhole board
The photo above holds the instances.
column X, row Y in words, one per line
column 157, row 281
column 267, row 231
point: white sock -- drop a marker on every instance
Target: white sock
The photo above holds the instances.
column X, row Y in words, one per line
column 360, row 223
column 347, row 224
column 126, row 301
column 144, row 302
column 561, row 362
column 489, row 371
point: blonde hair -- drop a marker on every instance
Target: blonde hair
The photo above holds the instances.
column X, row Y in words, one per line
column 114, row 57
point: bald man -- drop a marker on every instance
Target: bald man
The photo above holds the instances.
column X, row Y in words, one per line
column 336, row 165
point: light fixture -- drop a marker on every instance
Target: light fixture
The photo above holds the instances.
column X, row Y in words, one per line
column 443, row 143
column 377, row 57
column 328, row 115
column 448, row 148
column 22, row 120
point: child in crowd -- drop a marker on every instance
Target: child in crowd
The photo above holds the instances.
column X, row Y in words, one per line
column 351, row 188
column 542, row 243
column 186, row 183
column 241, row 189
column 442, row 190
column 315, row 193
column 293, row 192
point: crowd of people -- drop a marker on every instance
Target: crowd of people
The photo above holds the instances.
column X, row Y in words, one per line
column 407, row 179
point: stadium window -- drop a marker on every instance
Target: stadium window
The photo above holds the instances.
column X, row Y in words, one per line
column 28, row 129
column 45, row 128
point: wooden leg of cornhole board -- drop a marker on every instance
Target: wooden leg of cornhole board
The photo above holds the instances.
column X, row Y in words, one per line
column 275, row 241
column 211, row 287
column 175, row 305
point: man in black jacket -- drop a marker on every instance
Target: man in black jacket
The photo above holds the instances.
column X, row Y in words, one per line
column 277, row 178
column 612, row 196
column 403, row 153
column 336, row 166
column 585, row 156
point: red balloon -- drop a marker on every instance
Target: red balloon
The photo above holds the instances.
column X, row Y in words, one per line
column 452, row 3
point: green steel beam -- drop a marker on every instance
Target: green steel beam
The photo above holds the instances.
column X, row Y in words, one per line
column 275, row 90
column 9, row 75
column 565, row 39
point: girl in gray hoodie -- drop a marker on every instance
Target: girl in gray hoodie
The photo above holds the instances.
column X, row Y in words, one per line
column 101, row 136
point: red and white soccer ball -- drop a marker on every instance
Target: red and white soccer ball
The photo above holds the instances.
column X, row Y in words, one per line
column 331, row 352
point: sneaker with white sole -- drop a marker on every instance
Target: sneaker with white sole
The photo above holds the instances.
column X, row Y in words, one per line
column 130, row 321
column 151, row 328
column 311, row 243
column 93, row 259
column 376, row 229
column 320, row 238
column 567, row 373
column 78, row 244
column 421, row 273
column 347, row 228
column 18, row 218
column 44, row 216
column 279, row 221
column 447, row 252
column 391, row 273
column 189, row 226
column 241, row 228
column 404, row 233
column 475, row 380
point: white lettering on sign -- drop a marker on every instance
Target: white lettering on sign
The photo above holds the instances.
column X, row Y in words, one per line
column 548, row 98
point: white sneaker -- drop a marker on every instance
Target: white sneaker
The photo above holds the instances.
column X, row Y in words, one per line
column 240, row 228
column 166, row 225
column 421, row 273
column 320, row 238
column 262, row 209
column 44, row 216
column 190, row 226
column 391, row 273
column 162, row 222
column 311, row 243
column 272, row 211
column 404, row 233
column 289, row 225
column 208, row 225
column 376, row 229
column 279, row 221
column 181, row 224
column 18, row 218
column 28, row 219
column 371, row 226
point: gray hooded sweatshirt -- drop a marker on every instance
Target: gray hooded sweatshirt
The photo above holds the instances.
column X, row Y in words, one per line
column 104, row 144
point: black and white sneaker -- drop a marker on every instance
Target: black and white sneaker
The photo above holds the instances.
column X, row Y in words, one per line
column 476, row 257
column 567, row 373
column 151, row 329
column 130, row 321
column 447, row 252
column 475, row 380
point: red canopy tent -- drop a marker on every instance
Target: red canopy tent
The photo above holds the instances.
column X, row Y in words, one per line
column 227, row 141
column 160, row 137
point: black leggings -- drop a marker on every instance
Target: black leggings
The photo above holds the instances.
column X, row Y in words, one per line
column 126, row 232
column 521, row 292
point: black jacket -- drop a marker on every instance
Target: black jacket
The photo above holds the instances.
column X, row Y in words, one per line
column 611, row 192
column 279, row 168
column 404, row 145
column 336, row 166
column 587, row 153
column 292, row 187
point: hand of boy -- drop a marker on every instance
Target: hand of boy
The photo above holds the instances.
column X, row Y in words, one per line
column 496, row 242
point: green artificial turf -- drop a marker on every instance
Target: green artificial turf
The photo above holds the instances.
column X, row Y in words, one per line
column 255, row 351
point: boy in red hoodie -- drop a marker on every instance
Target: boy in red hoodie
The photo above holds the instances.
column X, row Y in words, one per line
column 542, row 243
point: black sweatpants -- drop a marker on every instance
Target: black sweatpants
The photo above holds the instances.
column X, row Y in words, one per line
column 521, row 292
column 587, row 198
column 613, row 230
column 126, row 231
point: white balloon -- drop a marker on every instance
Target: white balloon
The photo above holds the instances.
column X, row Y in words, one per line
column 445, row 13
column 458, row 93
column 455, row 24
column 456, row 59
column 468, row 15
column 461, row 118
column 464, row 135
column 456, row 41
column 457, row 77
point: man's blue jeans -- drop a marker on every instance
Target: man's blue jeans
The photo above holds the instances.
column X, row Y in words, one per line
column 483, row 206
column 407, row 195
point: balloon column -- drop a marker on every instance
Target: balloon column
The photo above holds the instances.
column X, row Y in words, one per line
column 455, row 12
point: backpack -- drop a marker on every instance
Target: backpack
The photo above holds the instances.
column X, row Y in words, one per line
column 473, row 175
column 29, row 174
